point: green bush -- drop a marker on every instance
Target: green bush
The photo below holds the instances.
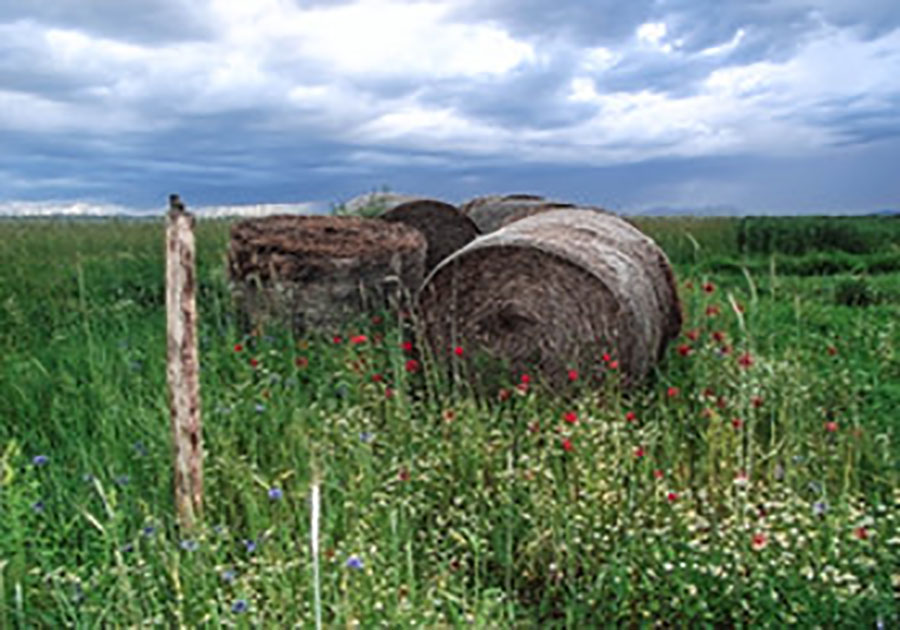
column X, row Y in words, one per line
column 800, row 235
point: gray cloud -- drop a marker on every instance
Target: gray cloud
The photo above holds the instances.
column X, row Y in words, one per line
column 143, row 21
column 186, row 105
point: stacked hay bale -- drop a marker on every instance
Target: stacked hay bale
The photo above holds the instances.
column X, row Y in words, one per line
column 321, row 271
column 492, row 212
column 444, row 227
column 555, row 291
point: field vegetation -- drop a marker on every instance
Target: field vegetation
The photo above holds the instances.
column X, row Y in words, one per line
column 752, row 482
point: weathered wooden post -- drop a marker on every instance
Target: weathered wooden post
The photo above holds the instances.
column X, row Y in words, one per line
column 183, row 366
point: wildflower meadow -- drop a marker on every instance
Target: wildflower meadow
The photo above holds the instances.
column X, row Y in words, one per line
column 751, row 482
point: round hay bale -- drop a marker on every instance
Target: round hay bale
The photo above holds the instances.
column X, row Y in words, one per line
column 445, row 228
column 321, row 271
column 493, row 212
column 553, row 292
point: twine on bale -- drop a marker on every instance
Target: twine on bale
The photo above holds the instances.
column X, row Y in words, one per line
column 445, row 228
column 492, row 212
column 321, row 271
column 553, row 292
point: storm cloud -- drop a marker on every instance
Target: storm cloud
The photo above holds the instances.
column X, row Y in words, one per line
column 760, row 106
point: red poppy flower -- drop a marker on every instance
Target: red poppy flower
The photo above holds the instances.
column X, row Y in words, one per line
column 692, row 334
column 388, row 392
column 672, row 497
column 407, row 346
column 377, row 378
column 706, row 413
column 571, row 417
column 630, row 416
column 832, row 351
column 737, row 423
column 712, row 310
column 522, row 388
column 573, row 376
column 337, row 339
column 861, row 533
column 639, row 452
column 503, row 395
column 757, row 402
column 412, row 366
column 458, row 351
column 745, row 360
column 759, row 541
column 658, row 474
column 238, row 347
column 525, row 379
column 831, row 426
column 606, row 357
column 358, row 339
column 672, row 392
column 403, row 475
column 613, row 365
column 684, row 350
column 253, row 362
column 718, row 336
column 709, row 287
column 567, row 445
column 301, row 362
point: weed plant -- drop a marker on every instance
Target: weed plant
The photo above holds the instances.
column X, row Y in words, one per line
column 752, row 482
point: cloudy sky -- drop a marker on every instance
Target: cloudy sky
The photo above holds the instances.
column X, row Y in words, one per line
column 757, row 105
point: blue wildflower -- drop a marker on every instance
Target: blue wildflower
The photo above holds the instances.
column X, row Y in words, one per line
column 239, row 606
column 140, row 449
column 122, row 480
column 148, row 531
column 127, row 548
column 276, row 494
column 260, row 407
column 38, row 506
column 228, row 575
column 819, row 508
column 354, row 562
column 250, row 545
column 366, row 436
column 189, row 545
column 40, row 460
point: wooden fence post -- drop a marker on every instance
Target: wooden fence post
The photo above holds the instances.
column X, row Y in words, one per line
column 182, row 364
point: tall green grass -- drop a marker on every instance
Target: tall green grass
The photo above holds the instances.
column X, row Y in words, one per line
column 753, row 481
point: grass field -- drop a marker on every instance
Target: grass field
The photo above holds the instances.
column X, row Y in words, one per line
column 752, row 483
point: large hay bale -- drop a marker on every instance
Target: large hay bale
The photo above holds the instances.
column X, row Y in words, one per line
column 492, row 212
column 321, row 271
column 553, row 292
column 445, row 228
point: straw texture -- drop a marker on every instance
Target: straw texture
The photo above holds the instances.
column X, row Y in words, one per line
column 554, row 291
column 492, row 212
column 321, row 271
column 445, row 228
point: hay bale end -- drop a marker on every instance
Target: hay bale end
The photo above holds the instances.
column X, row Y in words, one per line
column 318, row 272
column 445, row 228
column 553, row 292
